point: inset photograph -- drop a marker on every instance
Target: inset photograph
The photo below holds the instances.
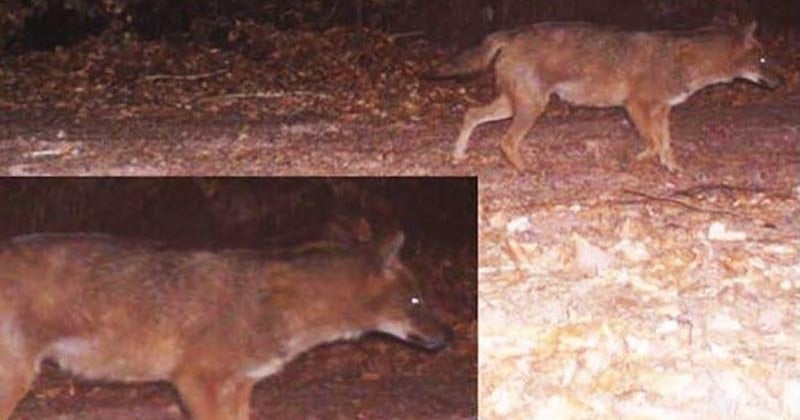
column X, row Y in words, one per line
column 238, row 298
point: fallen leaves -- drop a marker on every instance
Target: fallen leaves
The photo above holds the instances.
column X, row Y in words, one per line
column 340, row 73
column 650, row 310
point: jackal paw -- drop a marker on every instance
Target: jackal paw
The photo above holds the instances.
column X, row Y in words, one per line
column 646, row 154
column 517, row 163
column 513, row 158
column 458, row 156
column 668, row 161
column 673, row 167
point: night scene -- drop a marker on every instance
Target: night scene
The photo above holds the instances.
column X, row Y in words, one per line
column 399, row 209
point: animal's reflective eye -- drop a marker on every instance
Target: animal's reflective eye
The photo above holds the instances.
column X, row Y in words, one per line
column 415, row 301
column 762, row 60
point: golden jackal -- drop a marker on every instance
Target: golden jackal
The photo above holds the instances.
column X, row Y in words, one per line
column 646, row 72
column 211, row 323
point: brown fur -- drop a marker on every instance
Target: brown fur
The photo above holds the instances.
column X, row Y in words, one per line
column 645, row 72
column 211, row 323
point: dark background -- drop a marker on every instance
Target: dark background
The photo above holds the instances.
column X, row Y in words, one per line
column 245, row 212
column 44, row 24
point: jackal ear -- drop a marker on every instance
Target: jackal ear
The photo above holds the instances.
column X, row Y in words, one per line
column 749, row 32
column 389, row 249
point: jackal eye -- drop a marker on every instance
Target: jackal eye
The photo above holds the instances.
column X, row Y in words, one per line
column 762, row 60
column 415, row 301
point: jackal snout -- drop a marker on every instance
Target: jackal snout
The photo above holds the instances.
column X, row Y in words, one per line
column 426, row 330
column 760, row 71
column 416, row 323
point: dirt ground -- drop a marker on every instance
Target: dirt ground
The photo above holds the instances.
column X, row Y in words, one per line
column 609, row 288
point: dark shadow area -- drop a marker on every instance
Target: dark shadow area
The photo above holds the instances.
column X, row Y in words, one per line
column 43, row 25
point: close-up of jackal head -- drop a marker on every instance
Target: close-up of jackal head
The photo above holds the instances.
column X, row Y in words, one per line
column 751, row 62
column 395, row 300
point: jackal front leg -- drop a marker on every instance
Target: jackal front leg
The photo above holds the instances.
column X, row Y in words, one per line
column 212, row 397
column 652, row 123
column 17, row 365
column 665, row 154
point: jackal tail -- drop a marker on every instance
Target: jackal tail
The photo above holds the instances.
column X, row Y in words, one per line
column 473, row 60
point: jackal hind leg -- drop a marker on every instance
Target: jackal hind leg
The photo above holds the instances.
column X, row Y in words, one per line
column 525, row 114
column 499, row 109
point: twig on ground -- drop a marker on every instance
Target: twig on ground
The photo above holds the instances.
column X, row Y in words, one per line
column 709, row 187
column 197, row 76
column 400, row 35
column 260, row 95
column 689, row 206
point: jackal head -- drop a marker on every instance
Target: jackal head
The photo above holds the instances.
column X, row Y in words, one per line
column 397, row 301
column 750, row 61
